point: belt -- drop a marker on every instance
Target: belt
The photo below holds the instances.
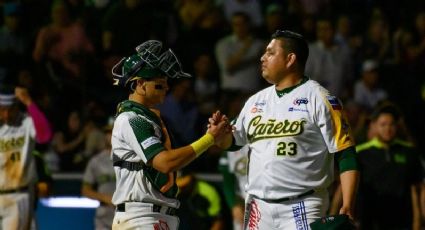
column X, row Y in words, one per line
column 155, row 208
column 16, row 190
column 289, row 198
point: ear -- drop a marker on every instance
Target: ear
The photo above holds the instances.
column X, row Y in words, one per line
column 290, row 58
column 140, row 87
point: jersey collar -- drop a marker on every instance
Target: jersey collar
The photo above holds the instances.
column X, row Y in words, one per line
column 282, row 92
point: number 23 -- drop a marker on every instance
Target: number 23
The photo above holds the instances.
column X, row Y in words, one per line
column 284, row 149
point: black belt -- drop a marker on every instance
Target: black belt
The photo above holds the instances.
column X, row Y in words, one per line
column 289, row 198
column 155, row 208
column 16, row 190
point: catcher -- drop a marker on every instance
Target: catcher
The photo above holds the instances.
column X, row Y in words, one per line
column 144, row 162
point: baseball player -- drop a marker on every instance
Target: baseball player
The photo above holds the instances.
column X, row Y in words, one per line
column 233, row 166
column 294, row 129
column 99, row 183
column 144, row 162
column 18, row 133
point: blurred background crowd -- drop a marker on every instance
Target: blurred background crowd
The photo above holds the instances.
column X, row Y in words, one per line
column 62, row 51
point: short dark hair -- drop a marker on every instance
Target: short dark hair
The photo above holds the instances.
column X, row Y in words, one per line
column 386, row 108
column 293, row 43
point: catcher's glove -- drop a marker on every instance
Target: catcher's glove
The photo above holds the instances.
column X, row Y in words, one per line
column 335, row 222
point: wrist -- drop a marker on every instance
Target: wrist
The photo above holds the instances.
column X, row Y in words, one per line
column 202, row 144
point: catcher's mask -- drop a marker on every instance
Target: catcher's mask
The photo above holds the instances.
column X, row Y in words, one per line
column 147, row 63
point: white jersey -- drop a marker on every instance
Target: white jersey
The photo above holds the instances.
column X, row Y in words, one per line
column 290, row 139
column 16, row 159
column 137, row 137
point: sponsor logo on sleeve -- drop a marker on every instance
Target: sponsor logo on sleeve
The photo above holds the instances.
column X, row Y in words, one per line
column 258, row 107
column 149, row 142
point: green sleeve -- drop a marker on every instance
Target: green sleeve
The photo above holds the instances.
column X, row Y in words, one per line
column 229, row 182
column 347, row 159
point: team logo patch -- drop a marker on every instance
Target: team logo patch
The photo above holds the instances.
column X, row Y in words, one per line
column 149, row 142
column 334, row 101
column 299, row 101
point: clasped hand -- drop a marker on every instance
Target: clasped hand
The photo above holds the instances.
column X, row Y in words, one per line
column 220, row 128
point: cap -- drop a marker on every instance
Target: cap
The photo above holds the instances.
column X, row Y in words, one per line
column 369, row 65
column 7, row 95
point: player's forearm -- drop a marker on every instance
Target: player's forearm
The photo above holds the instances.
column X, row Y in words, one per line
column 349, row 182
column 87, row 191
column 173, row 160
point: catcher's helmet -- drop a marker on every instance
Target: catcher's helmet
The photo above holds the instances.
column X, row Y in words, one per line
column 148, row 63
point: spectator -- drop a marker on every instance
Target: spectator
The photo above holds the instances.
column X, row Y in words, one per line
column 179, row 106
column 377, row 42
column 251, row 8
column 206, row 83
column 237, row 55
column 274, row 20
column 200, row 204
column 99, row 182
column 69, row 143
column 367, row 92
column 330, row 63
column 62, row 42
column 391, row 173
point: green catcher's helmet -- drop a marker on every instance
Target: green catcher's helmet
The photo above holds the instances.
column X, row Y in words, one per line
column 148, row 63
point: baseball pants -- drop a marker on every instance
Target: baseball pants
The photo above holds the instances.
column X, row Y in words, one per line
column 15, row 211
column 292, row 214
column 141, row 216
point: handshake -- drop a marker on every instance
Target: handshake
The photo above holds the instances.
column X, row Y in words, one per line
column 219, row 127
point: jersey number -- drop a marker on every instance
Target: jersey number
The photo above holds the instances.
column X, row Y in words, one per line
column 15, row 156
column 284, row 149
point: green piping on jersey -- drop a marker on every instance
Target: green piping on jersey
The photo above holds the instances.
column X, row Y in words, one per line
column 282, row 92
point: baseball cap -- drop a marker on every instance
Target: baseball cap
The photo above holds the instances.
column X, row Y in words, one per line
column 369, row 65
column 7, row 95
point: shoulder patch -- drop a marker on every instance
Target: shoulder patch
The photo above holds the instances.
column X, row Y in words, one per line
column 334, row 102
column 149, row 142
